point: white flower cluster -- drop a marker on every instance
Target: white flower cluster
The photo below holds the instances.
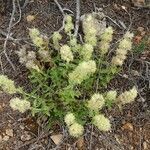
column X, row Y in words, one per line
column 106, row 38
column 75, row 129
column 56, row 38
column 87, row 51
column 89, row 29
column 124, row 46
column 127, row 96
column 101, row 122
column 75, row 47
column 20, row 105
column 66, row 53
column 68, row 24
column 96, row 102
column 42, row 43
column 7, row 85
column 82, row 71
column 111, row 95
column 28, row 58
column 69, row 119
column 36, row 37
column 44, row 55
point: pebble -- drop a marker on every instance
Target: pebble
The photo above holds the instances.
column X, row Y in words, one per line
column 1, row 108
column 57, row 138
column 6, row 138
column 25, row 137
column 21, row 127
column 9, row 132
column 145, row 147
column 127, row 126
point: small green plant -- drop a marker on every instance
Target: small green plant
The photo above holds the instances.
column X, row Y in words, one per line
column 67, row 78
column 142, row 46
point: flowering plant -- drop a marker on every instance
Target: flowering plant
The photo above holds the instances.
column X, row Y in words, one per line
column 67, row 78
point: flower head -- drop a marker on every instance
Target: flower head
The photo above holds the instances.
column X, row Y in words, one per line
column 82, row 71
column 111, row 95
column 20, row 105
column 44, row 55
column 88, row 24
column 68, row 24
column 125, row 45
column 106, row 38
column 89, row 29
column 101, row 122
column 96, row 102
column 7, row 85
column 107, row 35
column 34, row 32
column 69, row 119
column 56, row 38
column 127, row 96
column 76, row 130
column 31, row 65
column 66, row 53
column 36, row 38
column 87, row 51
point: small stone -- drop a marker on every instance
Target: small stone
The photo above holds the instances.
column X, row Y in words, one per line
column 127, row 126
column 125, row 76
column 135, row 73
column 5, row 138
column 25, row 137
column 80, row 143
column 145, row 147
column 9, row 132
column 57, row 138
column 21, row 127
column 140, row 29
column 30, row 18
column 3, row 105
column 1, row 108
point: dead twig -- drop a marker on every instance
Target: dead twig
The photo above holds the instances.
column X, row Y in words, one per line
column 8, row 34
column 91, row 136
column 77, row 18
column 60, row 8
column 63, row 14
column 19, row 14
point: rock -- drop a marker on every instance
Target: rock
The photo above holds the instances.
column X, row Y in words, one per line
column 9, row 132
column 1, row 108
column 57, row 138
column 22, row 127
column 127, row 126
column 26, row 136
column 80, row 144
column 145, row 147
column 30, row 18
